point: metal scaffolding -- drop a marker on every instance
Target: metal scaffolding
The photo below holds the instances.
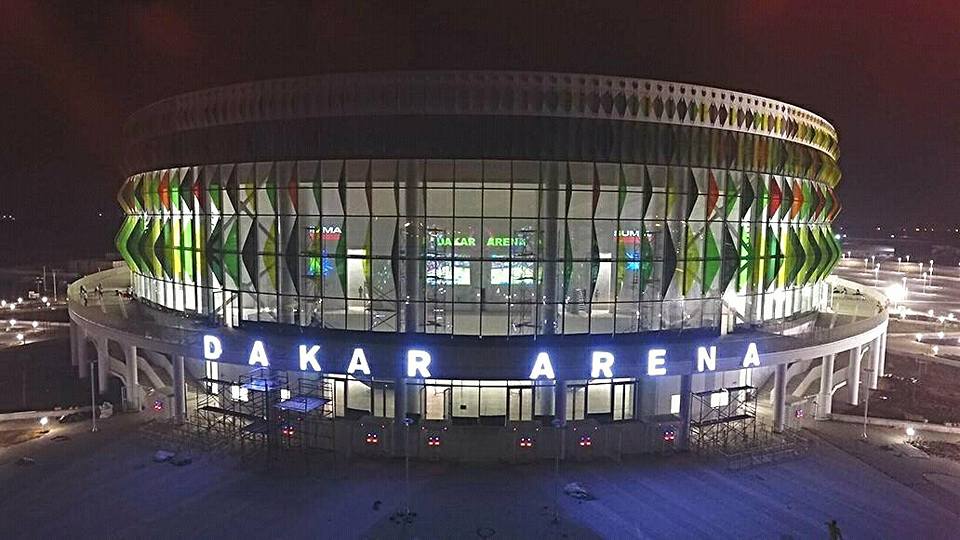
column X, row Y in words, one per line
column 261, row 413
column 723, row 423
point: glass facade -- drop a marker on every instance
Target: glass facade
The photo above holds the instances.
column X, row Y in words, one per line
column 478, row 247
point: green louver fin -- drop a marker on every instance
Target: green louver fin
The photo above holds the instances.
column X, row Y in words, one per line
column 270, row 254
column 773, row 260
column 123, row 237
column 231, row 255
column 711, row 259
column 669, row 261
column 691, row 266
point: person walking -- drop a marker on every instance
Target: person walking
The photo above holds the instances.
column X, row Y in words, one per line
column 834, row 529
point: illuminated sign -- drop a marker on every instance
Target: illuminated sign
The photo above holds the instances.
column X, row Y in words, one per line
column 424, row 363
column 471, row 241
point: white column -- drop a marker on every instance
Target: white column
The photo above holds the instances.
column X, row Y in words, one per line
column 133, row 378
column 853, row 376
column 825, row 401
column 779, row 397
column 103, row 364
column 179, row 390
column 83, row 364
column 560, row 401
column 875, row 362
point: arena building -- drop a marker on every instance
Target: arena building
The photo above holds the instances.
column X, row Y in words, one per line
column 490, row 257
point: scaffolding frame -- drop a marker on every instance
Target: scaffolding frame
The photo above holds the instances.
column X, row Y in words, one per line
column 723, row 427
column 261, row 414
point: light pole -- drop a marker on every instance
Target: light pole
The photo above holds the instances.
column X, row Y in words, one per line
column 93, row 398
column 866, row 399
column 559, row 424
column 407, row 422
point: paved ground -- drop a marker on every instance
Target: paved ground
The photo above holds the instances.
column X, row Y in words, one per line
column 105, row 485
column 884, row 449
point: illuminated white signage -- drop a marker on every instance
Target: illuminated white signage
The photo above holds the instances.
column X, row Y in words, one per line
column 602, row 363
column 706, row 358
column 752, row 357
column 212, row 348
column 417, row 363
column 308, row 358
column 542, row 367
column 258, row 355
column 358, row 362
column 656, row 359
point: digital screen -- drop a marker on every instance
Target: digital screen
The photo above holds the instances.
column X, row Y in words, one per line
column 321, row 266
column 448, row 273
column 502, row 273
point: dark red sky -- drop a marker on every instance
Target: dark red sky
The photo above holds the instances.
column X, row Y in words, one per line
column 886, row 74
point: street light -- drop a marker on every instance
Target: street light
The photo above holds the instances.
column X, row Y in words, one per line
column 866, row 399
column 559, row 424
column 407, row 422
column 897, row 293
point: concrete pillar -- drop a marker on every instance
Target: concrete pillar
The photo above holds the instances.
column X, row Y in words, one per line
column 399, row 399
column 133, row 378
column 413, row 284
column 544, row 399
column 825, row 399
column 883, row 355
column 875, row 363
column 686, row 388
column 103, row 364
column 179, row 390
column 82, row 359
column 560, row 401
column 551, row 249
column 780, row 397
column 853, row 376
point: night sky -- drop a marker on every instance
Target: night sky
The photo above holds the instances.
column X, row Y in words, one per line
column 886, row 74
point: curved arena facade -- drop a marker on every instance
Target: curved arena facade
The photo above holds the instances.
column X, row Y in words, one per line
column 482, row 204
column 484, row 248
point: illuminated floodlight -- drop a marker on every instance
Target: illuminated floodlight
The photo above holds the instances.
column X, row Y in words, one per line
column 911, row 432
column 43, row 299
column 35, row 324
column 3, row 303
column 940, row 334
column 20, row 300
column 919, row 337
column 936, row 349
column 929, row 313
column 13, row 322
column 19, row 337
column 12, row 306
column 44, row 421
column 897, row 293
